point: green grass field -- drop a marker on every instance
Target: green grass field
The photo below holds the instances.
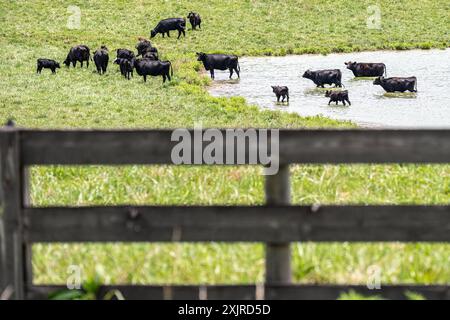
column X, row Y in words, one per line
column 81, row 98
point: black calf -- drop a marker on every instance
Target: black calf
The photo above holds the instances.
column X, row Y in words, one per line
column 47, row 64
column 336, row 96
column 126, row 67
column 195, row 20
column 281, row 91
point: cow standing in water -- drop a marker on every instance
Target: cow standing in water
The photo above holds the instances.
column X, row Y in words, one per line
column 336, row 96
column 400, row 84
column 219, row 62
column 322, row 77
column 363, row 69
column 281, row 91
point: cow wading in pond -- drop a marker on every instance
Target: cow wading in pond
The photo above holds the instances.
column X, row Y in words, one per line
column 80, row 54
column 219, row 62
column 322, row 77
column 400, row 84
column 281, row 91
column 336, row 96
column 47, row 64
column 167, row 25
column 363, row 69
column 146, row 67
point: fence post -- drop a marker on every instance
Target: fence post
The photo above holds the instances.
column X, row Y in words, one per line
column 27, row 247
column 278, row 256
column 11, row 224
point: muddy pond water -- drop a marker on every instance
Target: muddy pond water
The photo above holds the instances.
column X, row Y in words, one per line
column 371, row 105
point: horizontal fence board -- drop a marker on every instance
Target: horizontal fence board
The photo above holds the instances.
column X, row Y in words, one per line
column 160, row 292
column 332, row 292
column 276, row 224
column 250, row 292
column 296, row 146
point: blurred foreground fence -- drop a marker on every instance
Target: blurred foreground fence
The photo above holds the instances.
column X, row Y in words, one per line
column 277, row 223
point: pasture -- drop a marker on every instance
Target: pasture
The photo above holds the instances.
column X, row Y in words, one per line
column 81, row 98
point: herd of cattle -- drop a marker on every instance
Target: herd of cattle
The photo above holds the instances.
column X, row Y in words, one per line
column 359, row 69
column 149, row 64
column 146, row 62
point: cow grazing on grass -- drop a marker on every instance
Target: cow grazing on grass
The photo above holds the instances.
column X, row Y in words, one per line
column 400, row 84
column 363, row 69
column 101, row 59
column 195, row 20
column 126, row 67
column 125, row 54
column 281, row 91
column 336, row 96
column 322, row 77
column 219, row 62
column 145, row 47
column 80, row 54
column 146, row 67
column 167, row 25
column 47, row 64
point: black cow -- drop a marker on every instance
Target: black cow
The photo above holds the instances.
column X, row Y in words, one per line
column 101, row 59
column 47, row 64
column 195, row 20
column 145, row 47
column 281, row 91
column 322, row 77
column 150, row 56
column 219, row 62
column 79, row 53
column 336, row 96
column 125, row 54
column 166, row 25
column 146, row 67
column 363, row 69
column 401, row 84
column 126, row 67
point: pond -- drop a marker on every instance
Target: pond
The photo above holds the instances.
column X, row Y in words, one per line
column 371, row 105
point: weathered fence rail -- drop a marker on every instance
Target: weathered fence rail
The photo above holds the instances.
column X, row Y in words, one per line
column 277, row 223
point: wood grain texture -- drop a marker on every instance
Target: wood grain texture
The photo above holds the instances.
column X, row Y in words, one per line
column 296, row 146
column 276, row 224
column 11, row 222
column 249, row 292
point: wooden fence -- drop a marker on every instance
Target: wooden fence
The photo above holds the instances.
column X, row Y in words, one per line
column 277, row 223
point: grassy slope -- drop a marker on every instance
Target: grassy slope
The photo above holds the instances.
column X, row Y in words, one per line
column 79, row 98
